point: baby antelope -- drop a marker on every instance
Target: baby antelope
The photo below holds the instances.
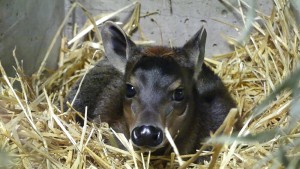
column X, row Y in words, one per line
column 140, row 90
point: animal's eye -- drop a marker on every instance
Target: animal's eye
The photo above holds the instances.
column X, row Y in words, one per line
column 130, row 91
column 178, row 94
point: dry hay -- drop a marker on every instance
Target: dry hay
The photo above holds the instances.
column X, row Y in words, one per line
column 36, row 133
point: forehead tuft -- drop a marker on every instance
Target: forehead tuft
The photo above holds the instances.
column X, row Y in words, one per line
column 158, row 51
column 165, row 65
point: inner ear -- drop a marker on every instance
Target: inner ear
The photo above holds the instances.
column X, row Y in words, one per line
column 195, row 49
column 117, row 45
column 119, row 41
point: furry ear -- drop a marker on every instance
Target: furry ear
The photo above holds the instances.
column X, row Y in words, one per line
column 195, row 49
column 117, row 45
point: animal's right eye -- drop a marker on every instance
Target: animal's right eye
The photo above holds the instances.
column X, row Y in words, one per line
column 130, row 91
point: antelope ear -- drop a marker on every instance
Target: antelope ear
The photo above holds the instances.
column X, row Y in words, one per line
column 195, row 48
column 117, row 45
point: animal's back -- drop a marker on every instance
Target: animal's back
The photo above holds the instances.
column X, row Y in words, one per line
column 213, row 97
column 100, row 89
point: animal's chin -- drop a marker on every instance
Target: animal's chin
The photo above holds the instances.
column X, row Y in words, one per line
column 149, row 149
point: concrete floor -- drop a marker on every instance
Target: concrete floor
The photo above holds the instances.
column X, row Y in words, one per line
column 178, row 20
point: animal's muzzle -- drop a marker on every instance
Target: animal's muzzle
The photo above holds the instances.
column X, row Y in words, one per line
column 147, row 136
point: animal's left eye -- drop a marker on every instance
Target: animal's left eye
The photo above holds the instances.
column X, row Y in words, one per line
column 178, row 94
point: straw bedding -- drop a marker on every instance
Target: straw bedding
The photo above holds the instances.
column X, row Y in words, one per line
column 36, row 133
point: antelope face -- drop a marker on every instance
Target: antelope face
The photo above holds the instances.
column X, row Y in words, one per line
column 158, row 84
column 157, row 95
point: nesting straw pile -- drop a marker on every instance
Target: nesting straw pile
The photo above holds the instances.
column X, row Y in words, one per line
column 36, row 133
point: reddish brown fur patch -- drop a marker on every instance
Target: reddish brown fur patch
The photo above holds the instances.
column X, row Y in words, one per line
column 158, row 51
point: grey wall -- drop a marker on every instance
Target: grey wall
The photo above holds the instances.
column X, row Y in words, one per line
column 29, row 26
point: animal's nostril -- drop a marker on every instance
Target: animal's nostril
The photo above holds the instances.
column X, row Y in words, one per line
column 147, row 136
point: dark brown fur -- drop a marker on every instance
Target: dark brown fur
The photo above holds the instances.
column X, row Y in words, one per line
column 158, row 51
column 152, row 70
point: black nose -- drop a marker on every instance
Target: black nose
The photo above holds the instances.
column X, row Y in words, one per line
column 147, row 136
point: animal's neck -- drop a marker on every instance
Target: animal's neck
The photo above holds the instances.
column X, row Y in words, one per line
column 182, row 140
